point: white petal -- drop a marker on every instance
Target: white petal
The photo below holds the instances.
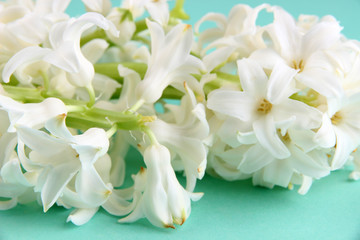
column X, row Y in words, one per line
column 135, row 215
column 235, row 132
column 82, row 24
column 196, row 196
column 278, row 172
column 279, row 83
column 324, row 82
column 118, row 206
column 285, row 34
column 224, row 171
column 321, row 36
column 104, row 86
column 56, row 180
column 40, row 141
column 217, row 57
column 157, row 36
column 5, row 205
column 217, row 18
column 306, row 117
column 305, row 185
column 100, row 6
column 51, row 6
column 81, row 216
column 118, row 153
column 344, row 147
column 155, row 200
column 252, row 77
column 8, row 143
column 232, row 103
column 32, row 114
column 94, row 49
column 24, row 160
column 91, row 187
column 267, row 57
column 10, row 190
column 255, row 159
column 258, row 180
column 242, row 19
column 159, row 11
column 25, row 56
column 11, row 173
column 91, row 144
column 155, row 205
column 191, row 150
column 302, row 138
column 265, row 131
column 57, row 127
column 306, row 165
column 30, row 29
column 325, row 136
column 171, row 54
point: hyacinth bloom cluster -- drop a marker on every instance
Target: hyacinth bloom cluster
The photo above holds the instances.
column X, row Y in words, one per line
column 278, row 104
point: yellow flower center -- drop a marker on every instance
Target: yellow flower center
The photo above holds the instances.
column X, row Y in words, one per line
column 336, row 118
column 286, row 138
column 264, row 107
column 298, row 66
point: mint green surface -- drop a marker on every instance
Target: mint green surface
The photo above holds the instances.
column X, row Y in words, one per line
column 228, row 210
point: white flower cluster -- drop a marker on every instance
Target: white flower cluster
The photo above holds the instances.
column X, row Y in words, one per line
column 277, row 103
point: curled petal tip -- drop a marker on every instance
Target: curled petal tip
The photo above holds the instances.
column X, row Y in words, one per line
column 179, row 221
column 46, row 208
column 169, row 226
column 182, row 221
column 187, row 27
column 62, row 116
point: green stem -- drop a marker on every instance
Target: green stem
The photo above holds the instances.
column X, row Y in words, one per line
column 140, row 26
column 178, row 11
column 111, row 69
column 111, row 131
column 151, row 135
column 137, row 105
column 91, row 93
column 227, row 77
column 46, row 81
column 24, row 94
column 84, row 123
column 75, row 108
column 99, row 33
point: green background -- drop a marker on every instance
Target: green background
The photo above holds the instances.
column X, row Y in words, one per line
column 228, row 210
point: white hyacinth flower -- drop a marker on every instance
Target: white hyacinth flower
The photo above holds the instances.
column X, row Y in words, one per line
column 305, row 161
column 235, row 36
column 303, row 51
column 170, row 58
column 14, row 183
column 27, row 23
column 340, row 128
column 32, row 115
column 65, row 52
column 158, row 10
column 100, row 6
column 183, row 133
column 164, row 201
column 264, row 104
column 60, row 157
